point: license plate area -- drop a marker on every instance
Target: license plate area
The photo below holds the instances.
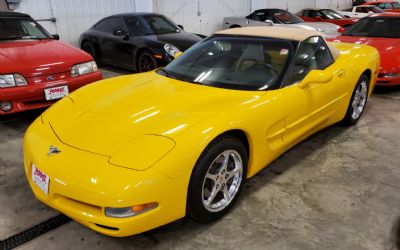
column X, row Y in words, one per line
column 41, row 179
column 56, row 92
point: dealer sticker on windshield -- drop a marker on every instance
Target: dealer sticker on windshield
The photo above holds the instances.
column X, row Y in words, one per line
column 41, row 179
column 284, row 52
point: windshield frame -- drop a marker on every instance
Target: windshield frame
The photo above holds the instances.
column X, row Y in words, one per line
column 38, row 26
column 277, row 85
column 351, row 29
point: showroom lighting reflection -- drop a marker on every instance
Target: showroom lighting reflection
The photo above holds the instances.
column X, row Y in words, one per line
column 146, row 116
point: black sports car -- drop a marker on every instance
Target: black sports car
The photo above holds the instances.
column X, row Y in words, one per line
column 138, row 41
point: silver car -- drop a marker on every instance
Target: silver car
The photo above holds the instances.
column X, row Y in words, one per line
column 271, row 17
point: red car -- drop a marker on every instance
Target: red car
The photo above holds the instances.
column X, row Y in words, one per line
column 382, row 32
column 387, row 5
column 326, row 15
column 35, row 68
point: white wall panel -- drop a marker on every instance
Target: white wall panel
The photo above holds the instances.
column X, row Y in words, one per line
column 201, row 16
column 334, row 4
column 73, row 17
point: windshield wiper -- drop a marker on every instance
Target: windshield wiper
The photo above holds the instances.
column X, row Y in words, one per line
column 167, row 73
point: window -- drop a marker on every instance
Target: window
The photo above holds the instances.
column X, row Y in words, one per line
column 314, row 13
column 110, row 25
column 362, row 10
column 160, row 25
column 15, row 29
column 136, row 26
column 259, row 16
column 313, row 53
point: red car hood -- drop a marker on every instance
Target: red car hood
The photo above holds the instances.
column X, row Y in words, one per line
column 389, row 50
column 35, row 58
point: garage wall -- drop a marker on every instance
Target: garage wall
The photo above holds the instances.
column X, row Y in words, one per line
column 75, row 16
column 201, row 16
column 334, row 4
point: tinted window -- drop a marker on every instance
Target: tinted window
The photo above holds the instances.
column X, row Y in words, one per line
column 160, row 25
column 312, row 53
column 136, row 26
column 110, row 25
column 375, row 27
column 233, row 62
column 15, row 29
column 259, row 16
column 286, row 17
column 362, row 10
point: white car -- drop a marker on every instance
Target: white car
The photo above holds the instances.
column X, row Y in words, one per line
column 272, row 17
column 361, row 11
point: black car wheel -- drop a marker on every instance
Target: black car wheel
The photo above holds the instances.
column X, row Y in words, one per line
column 89, row 48
column 358, row 101
column 146, row 62
column 217, row 179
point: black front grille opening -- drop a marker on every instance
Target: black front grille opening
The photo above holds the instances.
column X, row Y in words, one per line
column 107, row 227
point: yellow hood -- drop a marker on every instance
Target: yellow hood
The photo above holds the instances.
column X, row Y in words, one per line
column 106, row 116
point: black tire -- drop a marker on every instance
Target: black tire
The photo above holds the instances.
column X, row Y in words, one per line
column 207, row 162
column 350, row 119
column 235, row 26
column 89, row 48
column 146, row 62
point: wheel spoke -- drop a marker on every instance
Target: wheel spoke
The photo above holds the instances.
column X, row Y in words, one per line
column 212, row 176
column 214, row 193
column 225, row 162
column 226, row 192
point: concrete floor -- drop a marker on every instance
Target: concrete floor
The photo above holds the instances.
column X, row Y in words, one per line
column 337, row 190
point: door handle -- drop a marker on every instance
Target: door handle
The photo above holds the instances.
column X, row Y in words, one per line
column 341, row 73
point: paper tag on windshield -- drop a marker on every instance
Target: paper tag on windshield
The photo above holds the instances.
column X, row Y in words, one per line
column 284, row 52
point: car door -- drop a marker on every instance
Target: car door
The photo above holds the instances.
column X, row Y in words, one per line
column 115, row 42
column 311, row 107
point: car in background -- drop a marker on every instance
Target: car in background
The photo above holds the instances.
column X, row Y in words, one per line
column 386, row 5
column 139, row 151
column 279, row 17
column 137, row 41
column 361, row 11
column 326, row 15
column 382, row 32
column 35, row 68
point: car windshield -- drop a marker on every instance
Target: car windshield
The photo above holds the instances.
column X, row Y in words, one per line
column 396, row 5
column 20, row 29
column 286, row 17
column 375, row 27
column 331, row 14
column 245, row 63
column 375, row 9
column 160, row 25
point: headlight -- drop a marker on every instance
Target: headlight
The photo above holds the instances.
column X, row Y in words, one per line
column 12, row 80
column 83, row 68
column 125, row 212
column 391, row 75
column 171, row 49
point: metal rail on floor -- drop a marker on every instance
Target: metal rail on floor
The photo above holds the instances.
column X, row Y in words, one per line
column 33, row 232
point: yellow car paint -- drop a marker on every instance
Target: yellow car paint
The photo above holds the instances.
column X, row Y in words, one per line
column 100, row 164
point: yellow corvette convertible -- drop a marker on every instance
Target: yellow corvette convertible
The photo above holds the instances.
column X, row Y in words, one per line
column 135, row 152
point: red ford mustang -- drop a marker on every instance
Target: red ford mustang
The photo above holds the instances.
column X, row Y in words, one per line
column 35, row 68
column 387, row 5
column 326, row 15
column 382, row 32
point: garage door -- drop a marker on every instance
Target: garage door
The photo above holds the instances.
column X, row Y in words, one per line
column 73, row 17
column 201, row 16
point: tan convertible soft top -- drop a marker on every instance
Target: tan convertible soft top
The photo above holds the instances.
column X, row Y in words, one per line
column 288, row 33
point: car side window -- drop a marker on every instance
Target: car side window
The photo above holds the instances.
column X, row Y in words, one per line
column 259, row 16
column 312, row 54
column 306, row 13
column 382, row 5
column 110, row 25
column 314, row 13
column 361, row 10
column 136, row 26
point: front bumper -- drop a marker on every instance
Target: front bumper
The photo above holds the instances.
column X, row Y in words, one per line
column 32, row 95
column 83, row 184
column 381, row 81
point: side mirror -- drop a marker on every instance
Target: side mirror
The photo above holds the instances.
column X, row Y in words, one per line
column 342, row 30
column 181, row 27
column 315, row 76
column 268, row 21
column 56, row 36
column 178, row 54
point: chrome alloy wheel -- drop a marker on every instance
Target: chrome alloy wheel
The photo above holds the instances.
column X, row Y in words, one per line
column 359, row 100
column 222, row 181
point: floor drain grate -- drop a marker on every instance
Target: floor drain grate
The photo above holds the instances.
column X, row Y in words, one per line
column 33, row 232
